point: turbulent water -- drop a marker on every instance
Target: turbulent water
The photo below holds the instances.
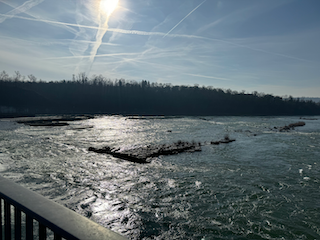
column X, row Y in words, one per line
column 265, row 185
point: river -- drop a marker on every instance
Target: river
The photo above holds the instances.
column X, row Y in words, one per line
column 265, row 185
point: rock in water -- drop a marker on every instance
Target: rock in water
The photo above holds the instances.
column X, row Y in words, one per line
column 291, row 126
column 143, row 154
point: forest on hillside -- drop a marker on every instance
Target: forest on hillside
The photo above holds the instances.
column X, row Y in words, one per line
column 99, row 95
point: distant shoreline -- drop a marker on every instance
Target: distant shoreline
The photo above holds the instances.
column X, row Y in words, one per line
column 129, row 98
column 53, row 116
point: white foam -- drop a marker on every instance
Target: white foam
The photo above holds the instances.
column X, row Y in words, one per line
column 198, row 183
column 4, row 158
column 8, row 125
column 2, row 167
column 171, row 183
column 216, row 222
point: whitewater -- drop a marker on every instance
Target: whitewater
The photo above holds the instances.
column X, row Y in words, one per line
column 264, row 185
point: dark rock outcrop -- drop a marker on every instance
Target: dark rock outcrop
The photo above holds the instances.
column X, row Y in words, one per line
column 52, row 121
column 47, row 123
column 304, row 118
column 291, row 126
column 225, row 140
column 143, row 154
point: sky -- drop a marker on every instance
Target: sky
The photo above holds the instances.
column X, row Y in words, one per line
column 243, row 45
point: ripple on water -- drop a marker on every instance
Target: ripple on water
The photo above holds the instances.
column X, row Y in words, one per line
column 259, row 187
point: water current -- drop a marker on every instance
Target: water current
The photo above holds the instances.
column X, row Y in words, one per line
column 265, row 185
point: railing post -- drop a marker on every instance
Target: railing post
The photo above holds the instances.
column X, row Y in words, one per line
column 57, row 236
column 63, row 222
column 29, row 227
column 7, row 221
column 17, row 223
column 1, row 218
column 42, row 232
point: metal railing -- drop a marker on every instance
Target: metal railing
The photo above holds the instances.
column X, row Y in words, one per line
column 25, row 214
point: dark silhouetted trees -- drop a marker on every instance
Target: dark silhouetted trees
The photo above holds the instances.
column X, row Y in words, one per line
column 98, row 95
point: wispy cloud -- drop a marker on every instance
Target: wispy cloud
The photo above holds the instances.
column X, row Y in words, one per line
column 28, row 57
column 124, row 31
column 204, row 76
column 50, row 42
column 84, row 36
column 21, row 9
column 265, row 51
column 8, row 15
column 103, row 28
column 160, row 34
column 98, row 55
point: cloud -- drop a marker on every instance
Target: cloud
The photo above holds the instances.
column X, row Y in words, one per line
column 21, row 9
column 28, row 58
column 160, row 34
column 35, row 17
column 124, row 31
column 94, row 12
column 204, row 76
column 83, row 37
column 99, row 55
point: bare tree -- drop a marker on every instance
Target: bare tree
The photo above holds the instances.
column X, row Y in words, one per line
column 4, row 76
column 32, row 78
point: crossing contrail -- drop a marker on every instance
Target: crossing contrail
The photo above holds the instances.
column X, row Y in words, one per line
column 68, row 28
column 21, row 9
column 118, row 30
column 184, row 18
column 160, row 34
column 102, row 12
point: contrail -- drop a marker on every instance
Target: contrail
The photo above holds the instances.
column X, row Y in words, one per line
column 103, row 28
column 22, row 8
column 36, row 17
column 211, row 77
column 184, row 18
column 46, row 21
column 78, row 48
column 118, row 30
column 106, row 7
column 100, row 55
column 143, row 33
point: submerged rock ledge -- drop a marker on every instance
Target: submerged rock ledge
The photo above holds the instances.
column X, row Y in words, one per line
column 225, row 140
column 143, row 154
column 56, row 121
column 291, row 126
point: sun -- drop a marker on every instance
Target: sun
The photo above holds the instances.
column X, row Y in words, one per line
column 108, row 6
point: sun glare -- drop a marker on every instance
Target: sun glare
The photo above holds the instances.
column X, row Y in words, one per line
column 108, row 6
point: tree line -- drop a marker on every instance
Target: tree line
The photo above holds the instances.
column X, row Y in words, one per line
column 99, row 95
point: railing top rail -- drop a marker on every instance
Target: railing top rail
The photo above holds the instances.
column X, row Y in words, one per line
column 65, row 222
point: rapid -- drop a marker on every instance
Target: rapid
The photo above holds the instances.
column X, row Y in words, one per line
column 265, row 185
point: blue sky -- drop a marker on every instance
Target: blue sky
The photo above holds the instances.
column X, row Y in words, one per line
column 269, row 46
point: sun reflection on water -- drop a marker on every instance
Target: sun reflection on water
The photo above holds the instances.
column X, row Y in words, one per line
column 242, row 189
